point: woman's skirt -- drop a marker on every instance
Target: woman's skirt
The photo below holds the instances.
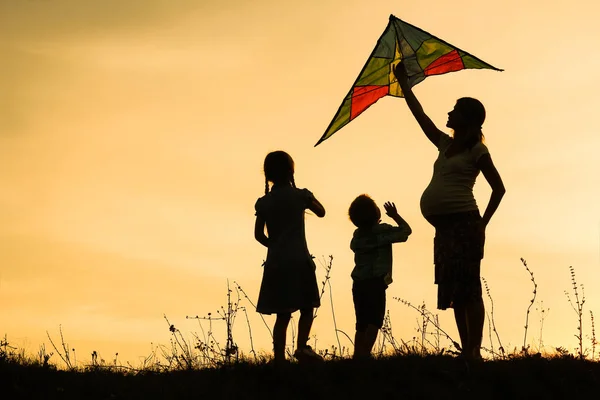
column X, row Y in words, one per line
column 457, row 253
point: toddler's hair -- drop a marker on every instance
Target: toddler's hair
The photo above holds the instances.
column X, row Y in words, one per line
column 278, row 168
column 364, row 212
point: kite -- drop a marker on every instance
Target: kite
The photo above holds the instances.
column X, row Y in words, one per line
column 423, row 55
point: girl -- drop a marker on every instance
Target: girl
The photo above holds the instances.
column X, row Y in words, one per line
column 289, row 282
column 448, row 204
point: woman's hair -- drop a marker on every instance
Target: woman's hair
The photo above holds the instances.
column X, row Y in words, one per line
column 364, row 212
column 279, row 168
column 473, row 113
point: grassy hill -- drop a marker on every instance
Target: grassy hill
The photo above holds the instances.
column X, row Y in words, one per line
column 405, row 377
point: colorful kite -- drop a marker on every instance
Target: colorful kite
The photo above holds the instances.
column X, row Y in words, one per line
column 423, row 55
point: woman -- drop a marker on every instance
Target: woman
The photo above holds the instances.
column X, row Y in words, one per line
column 448, row 204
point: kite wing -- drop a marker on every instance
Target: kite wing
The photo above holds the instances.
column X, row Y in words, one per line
column 423, row 55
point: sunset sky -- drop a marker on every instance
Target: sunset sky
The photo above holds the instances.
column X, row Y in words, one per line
column 132, row 136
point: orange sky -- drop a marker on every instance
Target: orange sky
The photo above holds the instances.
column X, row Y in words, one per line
column 132, row 136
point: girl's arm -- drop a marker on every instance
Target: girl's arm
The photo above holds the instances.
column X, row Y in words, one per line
column 315, row 206
column 491, row 174
column 426, row 124
column 259, row 231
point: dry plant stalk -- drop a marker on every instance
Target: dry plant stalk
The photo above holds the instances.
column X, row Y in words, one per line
column 431, row 318
column 66, row 354
column 240, row 290
column 577, row 306
column 593, row 339
column 543, row 315
column 492, row 320
column 525, row 348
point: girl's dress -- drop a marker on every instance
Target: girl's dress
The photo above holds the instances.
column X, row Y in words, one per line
column 289, row 282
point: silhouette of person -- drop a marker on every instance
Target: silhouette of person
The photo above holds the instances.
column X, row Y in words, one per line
column 289, row 282
column 449, row 205
column 372, row 273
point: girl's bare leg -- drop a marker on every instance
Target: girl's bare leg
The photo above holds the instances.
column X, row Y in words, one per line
column 279, row 334
column 304, row 326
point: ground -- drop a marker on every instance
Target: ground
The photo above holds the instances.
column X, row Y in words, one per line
column 406, row 377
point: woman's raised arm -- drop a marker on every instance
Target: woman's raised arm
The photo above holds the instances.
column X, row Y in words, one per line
column 426, row 124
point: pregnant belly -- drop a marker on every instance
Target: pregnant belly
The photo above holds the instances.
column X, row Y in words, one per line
column 444, row 199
